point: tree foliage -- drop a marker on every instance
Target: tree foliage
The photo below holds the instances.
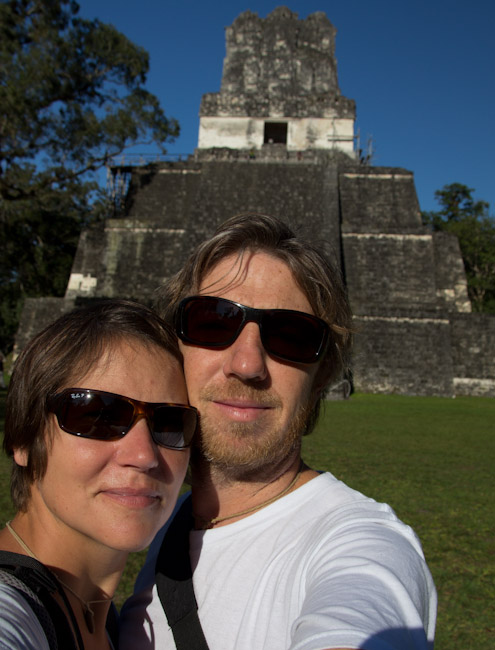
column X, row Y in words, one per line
column 72, row 96
column 470, row 221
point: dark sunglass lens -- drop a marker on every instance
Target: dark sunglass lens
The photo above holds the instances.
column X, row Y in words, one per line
column 291, row 336
column 174, row 426
column 211, row 321
column 116, row 418
column 96, row 415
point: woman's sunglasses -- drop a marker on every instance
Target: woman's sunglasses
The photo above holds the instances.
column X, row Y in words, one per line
column 100, row 415
column 216, row 322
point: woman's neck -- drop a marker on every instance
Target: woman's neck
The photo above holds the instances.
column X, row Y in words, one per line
column 75, row 558
column 89, row 573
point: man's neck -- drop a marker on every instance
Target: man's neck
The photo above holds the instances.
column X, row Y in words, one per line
column 220, row 498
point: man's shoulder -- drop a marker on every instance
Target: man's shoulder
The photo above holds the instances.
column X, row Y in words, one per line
column 327, row 495
column 314, row 510
column 325, row 509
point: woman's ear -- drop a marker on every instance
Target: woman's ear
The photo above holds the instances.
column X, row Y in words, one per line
column 21, row 456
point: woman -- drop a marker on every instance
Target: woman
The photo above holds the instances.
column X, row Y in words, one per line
column 98, row 426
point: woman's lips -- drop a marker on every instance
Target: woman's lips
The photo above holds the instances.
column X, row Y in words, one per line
column 132, row 497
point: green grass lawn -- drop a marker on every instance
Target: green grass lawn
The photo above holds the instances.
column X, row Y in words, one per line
column 433, row 460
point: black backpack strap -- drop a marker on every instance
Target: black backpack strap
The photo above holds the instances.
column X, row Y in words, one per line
column 112, row 625
column 37, row 585
column 40, row 611
column 174, row 582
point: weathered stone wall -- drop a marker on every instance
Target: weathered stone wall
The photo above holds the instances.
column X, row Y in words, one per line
column 304, row 194
column 379, row 200
column 473, row 348
column 388, row 254
column 37, row 314
column 408, row 356
column 390, row 273
column 279, row 65
column 164, row 193
column 278, row 69
column 407, row 286
column 171, row 208
column 411, row 337
column 138, row 257
column 450, row 275
column 403, row 341
column 87, row 267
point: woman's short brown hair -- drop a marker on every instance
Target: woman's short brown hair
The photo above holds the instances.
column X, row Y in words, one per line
column 64, row 350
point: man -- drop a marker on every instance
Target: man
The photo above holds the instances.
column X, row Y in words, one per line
column 282, row 556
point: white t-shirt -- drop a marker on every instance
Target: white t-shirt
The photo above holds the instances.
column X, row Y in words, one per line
column 323, row 567
column 19, row 626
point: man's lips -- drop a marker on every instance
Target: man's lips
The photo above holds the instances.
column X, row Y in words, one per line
column 241, row 410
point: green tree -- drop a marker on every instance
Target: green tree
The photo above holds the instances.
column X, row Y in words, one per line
column 72, row 96
column 470, row 221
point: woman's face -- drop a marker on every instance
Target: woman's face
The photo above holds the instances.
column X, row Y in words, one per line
column 115, row 493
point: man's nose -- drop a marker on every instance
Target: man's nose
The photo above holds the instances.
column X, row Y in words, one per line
column 246, row 357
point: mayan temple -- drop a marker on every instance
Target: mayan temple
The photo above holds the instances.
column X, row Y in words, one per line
column 279, row 138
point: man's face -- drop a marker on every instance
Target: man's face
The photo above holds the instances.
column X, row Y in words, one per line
column 253, row 406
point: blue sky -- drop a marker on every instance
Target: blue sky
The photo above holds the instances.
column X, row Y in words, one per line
column 421, row 73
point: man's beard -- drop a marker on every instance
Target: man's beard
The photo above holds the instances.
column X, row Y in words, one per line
column 249, row 450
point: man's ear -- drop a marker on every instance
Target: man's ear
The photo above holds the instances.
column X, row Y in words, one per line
column 320, row 384
column 21, row 456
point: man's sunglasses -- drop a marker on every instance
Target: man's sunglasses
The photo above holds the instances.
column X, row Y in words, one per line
column 100, row 415
column 216, row 322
